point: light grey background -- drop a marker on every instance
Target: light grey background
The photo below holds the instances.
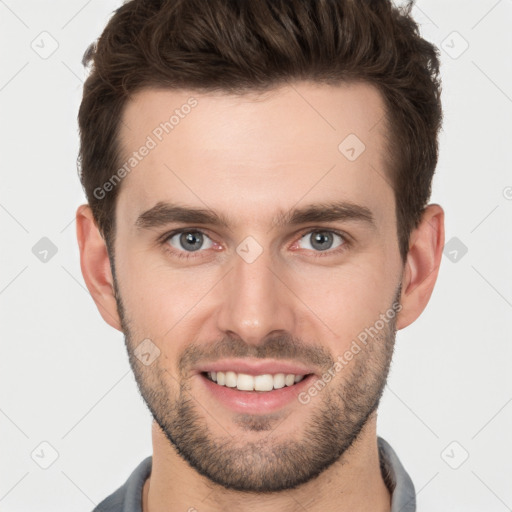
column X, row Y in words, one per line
column 64, row 373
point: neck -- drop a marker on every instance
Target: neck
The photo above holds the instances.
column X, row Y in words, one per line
column 354, row 483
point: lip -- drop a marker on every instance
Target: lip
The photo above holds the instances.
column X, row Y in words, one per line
column 255, row 402
column 254, row 367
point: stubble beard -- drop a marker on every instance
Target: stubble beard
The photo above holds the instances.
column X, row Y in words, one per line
column 270, row 464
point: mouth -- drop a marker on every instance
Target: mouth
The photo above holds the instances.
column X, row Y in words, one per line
column 254, row 394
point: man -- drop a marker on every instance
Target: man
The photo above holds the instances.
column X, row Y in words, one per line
column 223, row 143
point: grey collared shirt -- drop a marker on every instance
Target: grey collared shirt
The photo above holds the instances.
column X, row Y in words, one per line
column 128, row 498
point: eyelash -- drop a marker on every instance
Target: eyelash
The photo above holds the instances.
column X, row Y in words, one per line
column 190, row 255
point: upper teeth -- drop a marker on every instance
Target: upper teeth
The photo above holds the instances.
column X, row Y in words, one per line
column 245, row 382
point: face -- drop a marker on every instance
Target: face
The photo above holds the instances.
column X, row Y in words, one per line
column 255, row 241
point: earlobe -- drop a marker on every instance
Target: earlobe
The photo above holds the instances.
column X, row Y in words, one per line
column 422, row 265
column 95, row 265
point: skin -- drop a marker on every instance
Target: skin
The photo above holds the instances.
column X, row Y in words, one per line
column 250, row 157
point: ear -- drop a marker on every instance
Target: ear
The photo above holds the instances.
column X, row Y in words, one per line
column 422, row 265
column 95, row 265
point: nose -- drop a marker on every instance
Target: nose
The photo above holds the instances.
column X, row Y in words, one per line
column 255, row 300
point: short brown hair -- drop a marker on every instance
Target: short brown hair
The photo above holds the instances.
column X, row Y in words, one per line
column 240, row 46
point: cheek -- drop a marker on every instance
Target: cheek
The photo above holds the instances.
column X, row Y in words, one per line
column 347, row 299
column 157, row 298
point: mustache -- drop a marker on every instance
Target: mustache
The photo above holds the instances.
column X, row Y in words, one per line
column 280, row 347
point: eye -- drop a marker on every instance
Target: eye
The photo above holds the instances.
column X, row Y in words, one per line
column 322, row 240
column 184, row 243
column 189, row 241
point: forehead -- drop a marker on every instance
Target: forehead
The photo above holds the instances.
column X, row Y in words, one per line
column 304, row 141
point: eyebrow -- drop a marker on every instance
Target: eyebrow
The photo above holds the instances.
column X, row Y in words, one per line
column 165, row 213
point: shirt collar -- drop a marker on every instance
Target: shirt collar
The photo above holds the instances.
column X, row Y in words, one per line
column 397, row 480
